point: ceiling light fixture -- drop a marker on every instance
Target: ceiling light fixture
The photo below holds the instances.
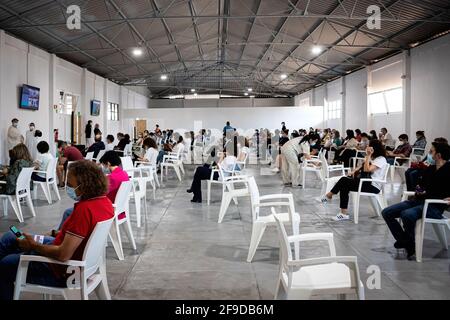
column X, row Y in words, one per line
column 249, row 89
column 316, row 50
column 195, row 94
column 192, row 90
column 163, row 77
column 137, row 52
column 246, row 94
column 283, row 76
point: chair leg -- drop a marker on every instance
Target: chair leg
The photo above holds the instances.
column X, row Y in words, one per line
column 16, row 208
column 55, row 188
column 208, row 192
column 114, row 235
column 441, row 235
column 177, row 171
column 102, row 289
column 278, row 287
column 50, row 200
column 157, row 179
column 30, row 205
column 226, row 199
column 360, row 291
column 257, row 233
column 420, row 228
column 5, row 207
column 295, row 231
column 303, row 179
column 137, row 202
column 130, row 233
column 356, row 198
column 44, row 187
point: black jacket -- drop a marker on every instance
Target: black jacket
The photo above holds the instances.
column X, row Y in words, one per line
column 96, row 147
column 436, row 183
column 88, row 131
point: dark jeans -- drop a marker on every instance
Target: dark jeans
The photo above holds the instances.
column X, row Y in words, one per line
column 38, row 273
column 347, row 184
column 409, row 211
column 411, row 177
column 201, row 173
column 35, row 177
column 346, row 157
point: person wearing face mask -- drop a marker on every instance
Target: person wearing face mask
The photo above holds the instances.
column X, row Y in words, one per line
column 403, row 150
column 14, row 136
column 416, row 169
column 88, row 185
column 421, row 141
column 434, row 184
column 30, row 140
column 151, row 152
column 110, row 164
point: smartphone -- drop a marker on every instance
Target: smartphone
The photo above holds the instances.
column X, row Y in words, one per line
column 17, row 232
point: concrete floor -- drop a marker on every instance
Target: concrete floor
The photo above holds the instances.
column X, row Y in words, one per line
column 183, row 253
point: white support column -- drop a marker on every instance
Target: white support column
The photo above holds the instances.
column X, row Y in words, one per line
column 406, row 83
column 343, row 104
column 4, row 156
column 52, row 101
column 105, row 126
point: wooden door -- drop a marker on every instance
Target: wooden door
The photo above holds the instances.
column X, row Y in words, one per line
column 141, row 125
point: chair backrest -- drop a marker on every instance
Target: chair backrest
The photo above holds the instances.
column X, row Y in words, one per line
column 23, row 181
column 100, row 155
column 51, row 169
column 285, row 247
column 325, row 173
column 89, row 156
column 254, row 197
column 417, row 154
column 386, row 171
column 93, row 251
column 128, row 149
column 122, row 196
column 127, row 163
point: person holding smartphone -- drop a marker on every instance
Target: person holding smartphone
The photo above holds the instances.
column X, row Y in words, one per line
column 88, row 186
column 374, row 162
column 434, row 184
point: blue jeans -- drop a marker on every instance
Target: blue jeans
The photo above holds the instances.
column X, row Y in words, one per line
column 409, row 211
column 411, row 177
column 38, row 272
column 66, row 214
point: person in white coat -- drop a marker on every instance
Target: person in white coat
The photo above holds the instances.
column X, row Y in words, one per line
column 31, row 140
column 14, row 135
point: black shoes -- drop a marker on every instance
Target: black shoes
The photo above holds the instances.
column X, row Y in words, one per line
column 189, row 191
column 410, row 249
column 196, row 201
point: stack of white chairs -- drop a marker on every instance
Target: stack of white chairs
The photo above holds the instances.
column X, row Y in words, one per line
column 261, row 222
column 50, row 180
column 22, row 192
column 92, row 275
column 121, row 204
column 173, row 160
column 378, row 201
column 401, row 163
column 302, row 279
column 439, row 226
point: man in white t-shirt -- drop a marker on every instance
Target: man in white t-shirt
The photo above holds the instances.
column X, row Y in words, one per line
column 42, row 160
column 386, row 139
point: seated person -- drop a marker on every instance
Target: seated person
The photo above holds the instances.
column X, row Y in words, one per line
column 96, row 146
column 402, row 151
column 151, row 151
column 109, row 142
column 140, row 139
column 123, row 142
column 347, row 150
column 374, row 163
column 364, row 143
column 433, row 185
column 87, row 184
column 421, row 141
column 20, row 158
column 66, row 153
column 42, row 161
column 413, row 174
column 227, row 162
column 110, row 163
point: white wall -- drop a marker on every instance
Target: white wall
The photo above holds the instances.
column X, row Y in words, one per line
column 355, row 114
column 21, row 63
column 430, row 88
column 244, row 118
column 335, row 93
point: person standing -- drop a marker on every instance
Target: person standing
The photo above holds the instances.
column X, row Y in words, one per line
column 31, row 140
column 97, row 130
column 14, row 135
column 290, row 167
column 88, row 133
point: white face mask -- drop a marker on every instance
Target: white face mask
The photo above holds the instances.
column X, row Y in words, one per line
column 15, row 124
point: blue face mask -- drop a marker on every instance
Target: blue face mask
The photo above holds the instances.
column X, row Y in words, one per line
column 430, row 159
column 106, row 170
column 72, row 194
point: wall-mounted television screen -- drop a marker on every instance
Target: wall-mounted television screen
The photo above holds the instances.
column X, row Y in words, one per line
column 29, row 97
column 95, row 107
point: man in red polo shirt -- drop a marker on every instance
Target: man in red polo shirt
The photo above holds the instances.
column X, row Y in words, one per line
column 66, row 153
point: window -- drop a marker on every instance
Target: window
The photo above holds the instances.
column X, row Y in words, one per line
column 113, row 111
column 334, row 109
column 389, row 101
column 67, row 103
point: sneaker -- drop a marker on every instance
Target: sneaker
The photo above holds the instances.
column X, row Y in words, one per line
column 275, row 170
column 323, row 199
column 341, row 217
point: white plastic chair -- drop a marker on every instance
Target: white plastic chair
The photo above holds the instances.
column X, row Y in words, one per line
column 92, row 267
column 439, row 226
column 311, row 165
column 173, row 160
column 67, row 173
column 329, row 181
column 230, row 192
column 416, row 155
column 139, row 195
column 242, row 164
column 22, row 192
column 127, row 166
column 261, row 222
column 302, row 279
column 121, row 204
column 89, row 156
column 50, row 177
column 378, row 200
column 99, row 156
